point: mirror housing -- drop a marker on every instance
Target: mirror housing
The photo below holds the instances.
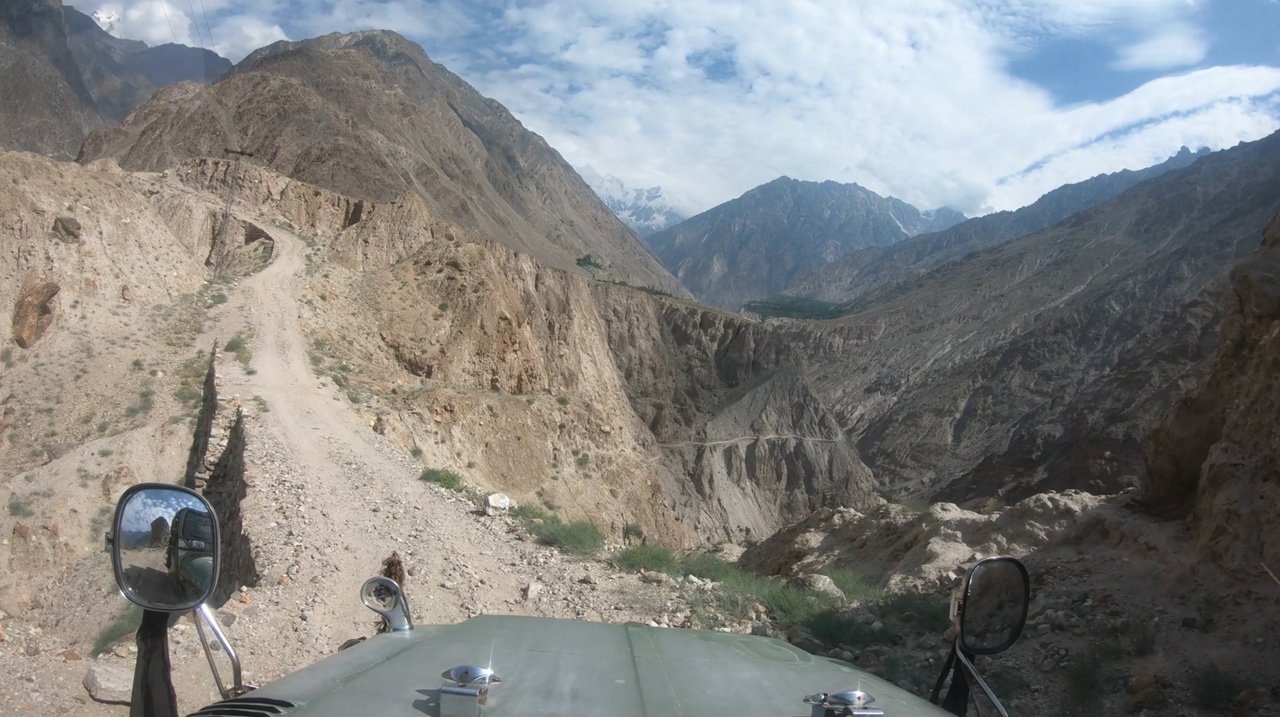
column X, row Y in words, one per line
column 165, row 547
column 995, row 596
column 385, row 597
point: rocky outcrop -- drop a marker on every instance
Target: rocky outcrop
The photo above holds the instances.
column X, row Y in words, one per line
column 1216, row 455
column 752, row 445
column 419, row 130
column 687, row 422
column 34, row 313
column 897, row 548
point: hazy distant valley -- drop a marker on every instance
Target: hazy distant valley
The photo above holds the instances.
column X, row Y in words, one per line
column 409, row 283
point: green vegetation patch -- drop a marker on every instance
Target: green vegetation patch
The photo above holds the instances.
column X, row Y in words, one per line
column 445, row 478
column 575, row 538
column 793, row 307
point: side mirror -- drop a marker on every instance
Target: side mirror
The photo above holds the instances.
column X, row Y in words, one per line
column 385, row 597
column 164, row 547
column 993, row 607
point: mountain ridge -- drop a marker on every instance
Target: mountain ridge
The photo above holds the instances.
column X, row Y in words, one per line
column 864, row 271
column 755, row 245
column 370, row 115
column 78, row 76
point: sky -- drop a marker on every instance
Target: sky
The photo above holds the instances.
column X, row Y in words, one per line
column 979, row 105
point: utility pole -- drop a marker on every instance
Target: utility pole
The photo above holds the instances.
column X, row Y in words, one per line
column 219, row 254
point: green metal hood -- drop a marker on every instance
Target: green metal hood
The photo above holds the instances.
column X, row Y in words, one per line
column 567, row 668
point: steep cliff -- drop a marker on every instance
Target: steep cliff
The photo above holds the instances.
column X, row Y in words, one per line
column 1216, row 455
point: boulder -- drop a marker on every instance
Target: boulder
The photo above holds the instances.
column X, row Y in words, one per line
column 33, row 313
column 820, row 584
column 498, row 504
column 67, row 229
column 109, row 684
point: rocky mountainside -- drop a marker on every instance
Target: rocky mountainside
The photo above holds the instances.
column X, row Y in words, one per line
column 1042, row 363
column 868, row 269
column 1216, row 455
column 371, row 116
column 772, row 236
column 582, row 394
column 645, row 210
column 73, row 77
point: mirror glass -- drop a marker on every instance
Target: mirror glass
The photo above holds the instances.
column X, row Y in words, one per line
column 165, row 547
column 380, row 594
column 996, row 598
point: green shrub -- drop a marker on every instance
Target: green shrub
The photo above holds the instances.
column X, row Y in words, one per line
column 708, row 566
column 921, row 611
column 645, row 557
column 576, row 538
column 529, row 513
column 448, row 479
column 835, row 627
column 852, row 585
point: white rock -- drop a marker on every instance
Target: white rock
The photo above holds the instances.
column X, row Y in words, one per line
column 109, row 684
column 498, row 503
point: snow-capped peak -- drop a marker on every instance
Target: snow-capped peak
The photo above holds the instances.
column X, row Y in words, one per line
column 107, row 19
column 644, row 210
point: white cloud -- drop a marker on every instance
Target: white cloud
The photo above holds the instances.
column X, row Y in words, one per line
column 911, row 99
column 154, row 22
column 1177, row 45
column 238, row 35
column 711, row 98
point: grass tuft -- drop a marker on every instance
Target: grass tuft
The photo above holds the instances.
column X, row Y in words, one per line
column 448, row 479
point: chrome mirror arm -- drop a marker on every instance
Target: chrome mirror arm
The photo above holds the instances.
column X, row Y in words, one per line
column 973, row 671
column 205, row 615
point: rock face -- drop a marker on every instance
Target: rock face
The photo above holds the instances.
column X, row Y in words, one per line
column 690, row 423
column 866, row 270
column 749, row 443
column 369, row 115
column 1216, row 454
column 774, row 235
column 893, row 547
column 1041, row 364
column 70, row 77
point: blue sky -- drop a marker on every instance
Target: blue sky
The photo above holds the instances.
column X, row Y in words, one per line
column 975, row 104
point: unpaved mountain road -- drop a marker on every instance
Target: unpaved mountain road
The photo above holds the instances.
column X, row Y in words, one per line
column 332, row 499
column 328, row 499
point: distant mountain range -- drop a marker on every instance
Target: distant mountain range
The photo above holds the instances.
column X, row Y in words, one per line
column 1042, row 362
column 644, row 210
column 774, row 235
column 862, row 272
column 74, row 77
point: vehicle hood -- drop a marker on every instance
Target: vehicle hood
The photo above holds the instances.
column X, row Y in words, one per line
column 566, row 667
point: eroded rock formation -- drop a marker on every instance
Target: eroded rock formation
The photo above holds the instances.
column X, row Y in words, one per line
column 1216, row 455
